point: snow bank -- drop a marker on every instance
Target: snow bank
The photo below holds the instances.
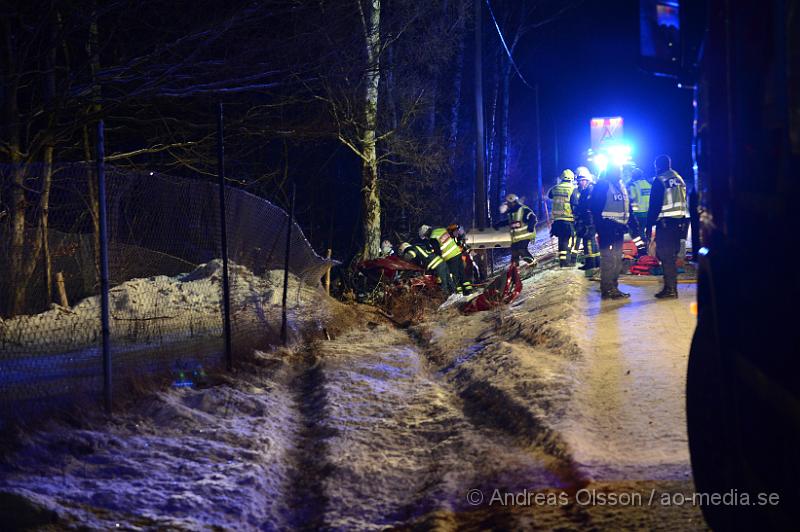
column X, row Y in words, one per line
column 156, row 309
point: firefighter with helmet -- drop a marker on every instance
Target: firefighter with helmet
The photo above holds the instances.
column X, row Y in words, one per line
column 422, row 254
column 447, row 247
column 565, row 200
column 522, row 222
column 584, row 225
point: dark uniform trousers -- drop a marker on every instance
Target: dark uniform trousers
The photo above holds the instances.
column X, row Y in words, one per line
column 610, row 235
column 565, row 232
column 669, row 232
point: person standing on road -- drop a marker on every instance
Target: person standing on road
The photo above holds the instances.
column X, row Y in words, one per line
column 611, row 210
column 565, row 200
column 669, row 212
column 584, row 225
column 522, row 221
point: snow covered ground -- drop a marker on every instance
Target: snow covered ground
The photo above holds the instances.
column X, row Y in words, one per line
column 384, row 427
column 145, row 310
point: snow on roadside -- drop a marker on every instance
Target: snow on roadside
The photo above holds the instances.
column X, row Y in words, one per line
column 400, row 446
column 184, row 459
column 155, row 308
column 515, row 363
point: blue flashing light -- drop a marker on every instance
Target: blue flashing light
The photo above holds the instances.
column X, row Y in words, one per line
column 601, row 161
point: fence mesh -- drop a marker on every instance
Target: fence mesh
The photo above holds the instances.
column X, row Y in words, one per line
column 165, row 274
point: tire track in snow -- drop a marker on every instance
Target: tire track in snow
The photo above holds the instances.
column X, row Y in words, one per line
column 403, row 446
column 306, row 498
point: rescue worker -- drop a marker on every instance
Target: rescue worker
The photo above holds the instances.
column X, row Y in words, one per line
column 639, row 192
column 421, row 253
column 565, row 200
column 669, row 212
column 447, row 247
column 386, row 248
column 611, row 211
column 584, row 226
column 522, row 222
column 471, row 272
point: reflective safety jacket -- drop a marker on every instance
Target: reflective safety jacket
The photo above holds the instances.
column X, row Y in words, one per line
column 639, row 193
column 423, row 255
column 674, row 204
column 617, row 205
column 564, row 201
column 523, row 223
column 447, row 244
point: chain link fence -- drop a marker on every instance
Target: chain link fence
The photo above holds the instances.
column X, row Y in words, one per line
column 165, row 277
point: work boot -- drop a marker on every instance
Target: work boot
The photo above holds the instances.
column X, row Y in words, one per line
column 614, row 294
column 667, row 293
column 618, row 294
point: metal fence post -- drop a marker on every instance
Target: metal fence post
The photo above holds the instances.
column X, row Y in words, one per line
column 104, row 305
column 226, row 289
column 289, row 224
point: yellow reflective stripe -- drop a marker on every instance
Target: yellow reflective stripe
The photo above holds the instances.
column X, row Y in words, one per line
column 447, row 244
column 435, row 262
column 562, row 208
column 525, row 235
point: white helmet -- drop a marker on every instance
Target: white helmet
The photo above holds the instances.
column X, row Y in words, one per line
column 424, row 230
column 511, row 198
column 583, row 173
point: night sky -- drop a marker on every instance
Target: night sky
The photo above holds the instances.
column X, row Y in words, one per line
column 586, row 63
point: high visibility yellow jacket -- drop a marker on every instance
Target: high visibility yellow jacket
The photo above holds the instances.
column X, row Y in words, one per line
column 564, row 199
column 523, row 223
column 447, row 244
column 423, row 256
column 639, row 193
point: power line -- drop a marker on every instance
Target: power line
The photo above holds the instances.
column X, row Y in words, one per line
column 505, row 46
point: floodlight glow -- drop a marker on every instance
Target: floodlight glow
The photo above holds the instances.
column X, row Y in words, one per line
column 619, row 154
column 601, row 161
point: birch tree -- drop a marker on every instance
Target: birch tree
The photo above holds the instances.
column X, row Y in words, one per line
column 371, row 203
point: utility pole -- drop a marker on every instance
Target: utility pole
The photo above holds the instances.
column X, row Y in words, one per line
column 480, row 152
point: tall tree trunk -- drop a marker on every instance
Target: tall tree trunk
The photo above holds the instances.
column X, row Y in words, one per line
column 370, row 193
column 16, row 256
column 459, row 69
column 93, row 51
column 502, row 167
column 50, row 93
column 432, row 115
column 44, row 223
column 491, row 156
